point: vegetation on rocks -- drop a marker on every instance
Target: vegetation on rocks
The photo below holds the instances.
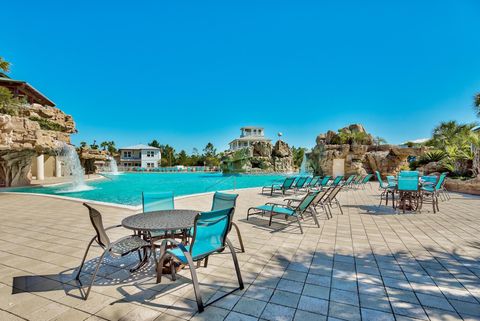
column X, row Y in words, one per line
column 46, row 124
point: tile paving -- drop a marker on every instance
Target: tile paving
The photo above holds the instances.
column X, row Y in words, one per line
column 368, row 264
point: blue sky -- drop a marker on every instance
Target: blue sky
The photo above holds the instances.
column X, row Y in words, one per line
column 189, row 72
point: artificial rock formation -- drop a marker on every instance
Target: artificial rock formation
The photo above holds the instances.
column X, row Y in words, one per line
column 90, row 157
column 355, row 148
column 33, row 130
column 260, row 157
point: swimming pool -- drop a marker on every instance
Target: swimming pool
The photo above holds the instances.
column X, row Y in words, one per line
column 127, row 189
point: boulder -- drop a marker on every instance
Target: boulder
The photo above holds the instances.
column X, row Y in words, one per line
column 262, row 149
column 470, row 186
column 281, row 149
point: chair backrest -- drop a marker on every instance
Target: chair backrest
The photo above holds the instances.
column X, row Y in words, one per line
column 349, row 179
column 314, row 181
column 321, row 195
column 325, row 180
column 441, row 181
column 379, row 179
column 391, row 180
column 306, row 201
column 334, row 193
column 157, row 201
column 337, row 180
column 408, row 181
column 222, row 201
column 367, row 178
column 210, row 231
column 301, row 181
column 97, row 222
column 288, row 182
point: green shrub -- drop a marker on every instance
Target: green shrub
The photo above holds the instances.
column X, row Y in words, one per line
column 48, row 125
column 432, row 156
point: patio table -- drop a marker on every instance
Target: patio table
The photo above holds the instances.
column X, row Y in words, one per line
column 168, row 220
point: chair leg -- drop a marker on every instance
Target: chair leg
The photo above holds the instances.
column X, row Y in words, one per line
column 314, row 215
column 205, row 262
column 240, row 240
column 339, row 206
column 172, row 269
column 84, row 257
column 159, row 267
column 196, row 285
column 235, row 263
column 95, row 273
column 299, row 224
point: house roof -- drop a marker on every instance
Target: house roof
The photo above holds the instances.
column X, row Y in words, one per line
column 140, row 146
column 251, row 127
column 24, row 88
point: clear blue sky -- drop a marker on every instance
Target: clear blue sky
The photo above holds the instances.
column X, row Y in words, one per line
column 189, row 72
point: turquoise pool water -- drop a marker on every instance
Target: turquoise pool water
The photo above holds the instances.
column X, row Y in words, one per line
column 127, row 189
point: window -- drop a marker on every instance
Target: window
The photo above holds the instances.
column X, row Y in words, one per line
column 127, row 154
column 150, row 165
column 150, row 153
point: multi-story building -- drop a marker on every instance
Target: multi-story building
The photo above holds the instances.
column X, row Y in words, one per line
column 140, row 156
column 248, row 136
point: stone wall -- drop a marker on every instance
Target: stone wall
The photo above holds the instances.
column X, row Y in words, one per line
column 360, row 157
column 22, row 136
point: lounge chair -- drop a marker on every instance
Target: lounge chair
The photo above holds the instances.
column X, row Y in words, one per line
column 338, row 179
column 366, row 180
column 209, row 237
column 319, row 200
column 300, row 183
column 348, row 182
column 283, row 187
column 119, row 248
column 331, row 199
column 325, row 180
column 314, row 182
column 223, row 201
column 288, row 211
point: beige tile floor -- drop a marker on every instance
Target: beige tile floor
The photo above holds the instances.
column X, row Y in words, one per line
column 368, row 264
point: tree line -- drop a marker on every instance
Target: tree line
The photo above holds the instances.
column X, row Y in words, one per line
column 170, row 157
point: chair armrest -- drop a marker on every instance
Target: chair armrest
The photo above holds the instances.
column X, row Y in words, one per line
column 113, row 226
column 277, row 204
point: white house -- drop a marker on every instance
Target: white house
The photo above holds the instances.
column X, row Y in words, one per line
column 248, row 136
column 140, row 156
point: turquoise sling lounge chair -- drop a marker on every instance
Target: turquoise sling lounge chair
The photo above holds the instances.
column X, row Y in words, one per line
column 287, row 211
column 337, row 180
column 300, row 183
column 282, row 187
column 366, row 180
column 325, row 180
column 348, row 181
column 209, row 237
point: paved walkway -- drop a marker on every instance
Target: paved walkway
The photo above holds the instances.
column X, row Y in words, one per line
column 368, row 264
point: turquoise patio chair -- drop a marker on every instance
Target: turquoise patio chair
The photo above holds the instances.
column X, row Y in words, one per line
column 283, row 187
column 296, row 212
column 338, row 179
column 432, row 191
column 300, row 183
column 366, row 180
column 209, row 237
column 387, row 188
column 314, row 182
column 325, row 180
column 157, row 201
column 223, row 201
column 348, row 181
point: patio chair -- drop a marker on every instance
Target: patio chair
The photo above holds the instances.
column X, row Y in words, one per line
column 338, row 179
column 408, row 189
column 331, row 199
column 319, row 200
column 223, row 201
column 300, row 183
column 209, row 237
column 288, row 211
column 387, row 188
column 324, row 182
column 119, row 248
column 283, row 187
column 158, row 201
column 348, row 182
column 431, row 192
column 366, row 180
column 444, row 193
column 314, row 181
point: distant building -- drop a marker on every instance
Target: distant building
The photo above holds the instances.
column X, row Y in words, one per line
column 23, row 89
column 140, row 156
column 248, row 136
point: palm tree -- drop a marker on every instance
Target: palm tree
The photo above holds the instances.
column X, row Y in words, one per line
column 4, row 65
column 476, row 104
column 104, row 145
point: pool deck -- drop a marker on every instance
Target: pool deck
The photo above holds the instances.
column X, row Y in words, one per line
column 368, row 264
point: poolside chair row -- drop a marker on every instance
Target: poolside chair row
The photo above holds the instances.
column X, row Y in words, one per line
column 297, row 208
column 175, row 169
column 306, row 183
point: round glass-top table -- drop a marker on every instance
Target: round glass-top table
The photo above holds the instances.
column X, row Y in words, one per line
column 161, row 220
